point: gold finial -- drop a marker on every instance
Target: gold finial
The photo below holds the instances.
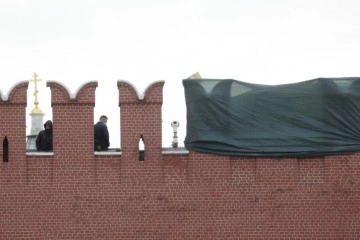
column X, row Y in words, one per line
column 36, row 102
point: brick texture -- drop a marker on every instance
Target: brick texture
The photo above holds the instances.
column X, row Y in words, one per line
column 75, row 194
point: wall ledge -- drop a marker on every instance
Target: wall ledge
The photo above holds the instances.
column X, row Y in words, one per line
column 108, row 153
column 39, row 153
column 179, row 151
column 165, row 151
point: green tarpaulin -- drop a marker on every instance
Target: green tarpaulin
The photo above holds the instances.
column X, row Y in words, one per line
column 311, row 118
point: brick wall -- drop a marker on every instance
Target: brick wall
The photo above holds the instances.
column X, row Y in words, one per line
column 76, row 194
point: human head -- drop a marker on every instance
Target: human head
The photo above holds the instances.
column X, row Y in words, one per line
column 48, row 125
column 103, row 119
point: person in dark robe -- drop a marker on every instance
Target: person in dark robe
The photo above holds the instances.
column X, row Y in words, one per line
column 44, row 139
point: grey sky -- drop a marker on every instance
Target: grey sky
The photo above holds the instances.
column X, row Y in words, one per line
column 271, row 42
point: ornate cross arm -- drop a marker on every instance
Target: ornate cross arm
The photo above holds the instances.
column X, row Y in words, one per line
column 36, row 101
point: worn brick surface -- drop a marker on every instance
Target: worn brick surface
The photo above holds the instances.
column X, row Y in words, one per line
column 74, row 194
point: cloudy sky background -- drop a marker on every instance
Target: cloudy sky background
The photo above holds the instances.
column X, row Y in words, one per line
column 258, row 41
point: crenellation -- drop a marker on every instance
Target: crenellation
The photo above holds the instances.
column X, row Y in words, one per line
column 76, row 193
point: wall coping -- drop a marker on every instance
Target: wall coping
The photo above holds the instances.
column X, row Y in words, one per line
column 72, row 95
column 5, row 97
column 140, row 96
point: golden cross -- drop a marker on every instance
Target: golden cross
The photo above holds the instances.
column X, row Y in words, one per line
column 36, row 102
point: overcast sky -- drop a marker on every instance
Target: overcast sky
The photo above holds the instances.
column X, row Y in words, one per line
column 140, row 41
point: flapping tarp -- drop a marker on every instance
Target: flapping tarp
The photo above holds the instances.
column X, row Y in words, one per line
column 311, row 118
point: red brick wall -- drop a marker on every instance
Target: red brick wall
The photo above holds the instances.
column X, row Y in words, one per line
column 75, row 194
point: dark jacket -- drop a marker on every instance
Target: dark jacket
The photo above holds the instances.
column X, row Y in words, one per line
column 44, row 138
column 101, row 137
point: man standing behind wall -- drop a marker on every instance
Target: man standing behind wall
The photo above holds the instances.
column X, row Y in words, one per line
column 101, row 135
column 44, row 138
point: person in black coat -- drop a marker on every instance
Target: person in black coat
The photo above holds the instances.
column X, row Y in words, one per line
column 101, row 135
column 44, row 138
